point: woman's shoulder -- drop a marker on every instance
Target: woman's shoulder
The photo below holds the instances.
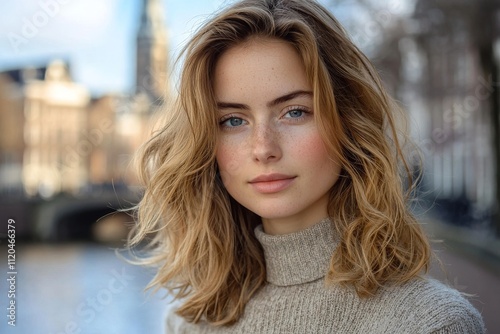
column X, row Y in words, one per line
column 172, row 321
column 175, row 323
column 434, row 306
column 420, row 306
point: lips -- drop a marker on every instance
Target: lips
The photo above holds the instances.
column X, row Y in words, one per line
column 272, row 183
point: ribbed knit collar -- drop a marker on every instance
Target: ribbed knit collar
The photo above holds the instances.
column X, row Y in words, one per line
column 298, row 257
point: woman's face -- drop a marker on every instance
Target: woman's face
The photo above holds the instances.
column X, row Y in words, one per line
column 270, row 154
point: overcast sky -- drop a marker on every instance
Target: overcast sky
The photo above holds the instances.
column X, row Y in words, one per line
column 97, row 37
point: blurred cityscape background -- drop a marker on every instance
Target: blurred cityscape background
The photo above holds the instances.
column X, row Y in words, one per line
column 82, row 81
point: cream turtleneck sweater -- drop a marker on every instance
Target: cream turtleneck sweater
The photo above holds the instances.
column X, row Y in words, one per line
column 296, row 299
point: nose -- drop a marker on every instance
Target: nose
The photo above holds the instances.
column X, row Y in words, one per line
column 266, row 143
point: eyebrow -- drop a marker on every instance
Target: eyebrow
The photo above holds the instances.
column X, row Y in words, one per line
column 273, row 103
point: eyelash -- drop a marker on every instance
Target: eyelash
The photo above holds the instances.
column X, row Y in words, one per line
column 227, row 118
column 304, row 110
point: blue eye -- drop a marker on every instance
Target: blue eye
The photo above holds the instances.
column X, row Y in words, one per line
column 296, row 113
column 232, row 122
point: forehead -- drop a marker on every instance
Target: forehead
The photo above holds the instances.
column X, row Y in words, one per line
column 263, row 66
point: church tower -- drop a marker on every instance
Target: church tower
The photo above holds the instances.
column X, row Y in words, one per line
column 152, row 54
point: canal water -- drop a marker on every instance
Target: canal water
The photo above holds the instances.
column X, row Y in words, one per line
column 78, row 288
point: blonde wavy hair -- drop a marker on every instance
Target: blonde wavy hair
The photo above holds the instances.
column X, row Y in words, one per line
column 203, row 241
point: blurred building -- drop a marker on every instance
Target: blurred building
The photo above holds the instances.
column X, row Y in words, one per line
column 442, row 61
column 55, row 131
column 55, row 137
column 101, row 114
column 457, row 90
column 152, row 53
column 11, row 132
column 118, row 125
column 42, row 116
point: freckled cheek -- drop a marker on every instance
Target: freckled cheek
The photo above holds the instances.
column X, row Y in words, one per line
column 312, row 148
column 314, row 159
column 229, row 161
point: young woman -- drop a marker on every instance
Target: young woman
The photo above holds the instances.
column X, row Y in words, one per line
column 273, row 198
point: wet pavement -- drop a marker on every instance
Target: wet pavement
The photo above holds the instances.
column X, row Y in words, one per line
column 79, row 288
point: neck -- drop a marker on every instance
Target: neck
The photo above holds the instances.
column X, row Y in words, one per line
column 280, row 226
column 299, row 257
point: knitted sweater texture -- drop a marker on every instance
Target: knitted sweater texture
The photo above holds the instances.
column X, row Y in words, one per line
column 296, row 299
